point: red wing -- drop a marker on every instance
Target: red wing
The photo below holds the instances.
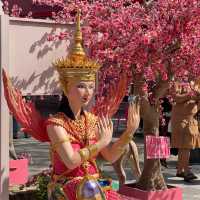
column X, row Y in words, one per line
column 24, row 112
column 110, row 104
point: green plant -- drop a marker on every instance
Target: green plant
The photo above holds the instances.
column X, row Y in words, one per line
column 42, row 183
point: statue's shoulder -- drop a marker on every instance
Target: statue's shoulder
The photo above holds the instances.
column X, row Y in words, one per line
column 56, row 119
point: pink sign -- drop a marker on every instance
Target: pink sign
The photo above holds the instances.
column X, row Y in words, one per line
column 18, row 172
column 157, row 147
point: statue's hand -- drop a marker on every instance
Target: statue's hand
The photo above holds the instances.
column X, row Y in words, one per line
column 105, row 127
column 133, row 116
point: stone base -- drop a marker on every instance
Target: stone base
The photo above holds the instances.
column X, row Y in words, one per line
column 172, row 193
column 23, row 194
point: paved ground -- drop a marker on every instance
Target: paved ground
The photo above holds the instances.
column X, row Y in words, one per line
column 40, row 161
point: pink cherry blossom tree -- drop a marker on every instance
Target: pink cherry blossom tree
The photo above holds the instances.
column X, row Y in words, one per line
column 156, row 42
column 153, row 42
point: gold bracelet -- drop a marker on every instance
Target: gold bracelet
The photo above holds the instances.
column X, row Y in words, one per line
column 120, row 149
column 93, row 150
column 84, row 154
column 126, row 138
column 57, row 144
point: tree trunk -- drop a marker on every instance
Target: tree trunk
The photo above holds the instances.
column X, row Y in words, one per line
column 151, row 178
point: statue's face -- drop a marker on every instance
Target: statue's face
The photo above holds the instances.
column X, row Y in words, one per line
column 81, row 92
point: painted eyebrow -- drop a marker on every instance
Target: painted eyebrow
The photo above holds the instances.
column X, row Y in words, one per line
column 81, row 83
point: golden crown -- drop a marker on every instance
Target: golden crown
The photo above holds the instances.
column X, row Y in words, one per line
column 77, row 64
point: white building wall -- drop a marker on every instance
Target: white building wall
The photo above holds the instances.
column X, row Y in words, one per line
column 31, row 55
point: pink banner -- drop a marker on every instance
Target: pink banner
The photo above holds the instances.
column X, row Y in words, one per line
column 157, row 147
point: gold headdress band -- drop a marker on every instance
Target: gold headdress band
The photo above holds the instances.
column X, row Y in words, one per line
column 76, row 66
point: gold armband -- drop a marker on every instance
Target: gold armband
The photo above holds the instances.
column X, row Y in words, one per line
column 93, row 150
column 57, row 144
column 84, row 154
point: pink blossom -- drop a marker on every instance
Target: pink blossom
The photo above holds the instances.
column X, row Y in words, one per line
column 120, row 34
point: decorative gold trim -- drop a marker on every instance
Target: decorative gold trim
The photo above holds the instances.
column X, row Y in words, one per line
column 84, row 154
column 76, row 130
column 93, row 150
column 76, row 66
